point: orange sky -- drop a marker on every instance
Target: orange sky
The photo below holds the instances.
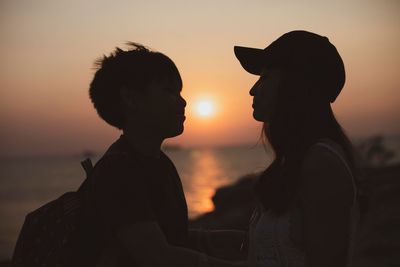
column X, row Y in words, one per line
column 48, row 48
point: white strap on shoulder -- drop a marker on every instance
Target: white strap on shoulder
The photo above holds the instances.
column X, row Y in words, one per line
column 334, row 151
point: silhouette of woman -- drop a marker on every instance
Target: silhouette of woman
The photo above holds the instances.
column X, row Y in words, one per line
column 308, row 206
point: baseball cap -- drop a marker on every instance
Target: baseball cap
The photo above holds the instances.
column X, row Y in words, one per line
column 312, row 53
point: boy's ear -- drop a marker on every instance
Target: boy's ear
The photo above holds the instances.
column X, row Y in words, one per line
column 128, row 97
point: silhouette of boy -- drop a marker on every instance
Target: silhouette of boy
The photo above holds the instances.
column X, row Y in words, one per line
column 139, row 92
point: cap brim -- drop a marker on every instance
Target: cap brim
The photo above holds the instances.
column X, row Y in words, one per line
column 251, row 59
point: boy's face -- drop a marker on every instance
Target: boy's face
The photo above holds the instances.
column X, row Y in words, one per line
column 161, row 108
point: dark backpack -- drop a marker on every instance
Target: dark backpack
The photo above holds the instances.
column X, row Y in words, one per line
column 48, row 236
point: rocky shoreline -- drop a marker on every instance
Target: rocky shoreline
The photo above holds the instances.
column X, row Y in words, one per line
column 378, row 241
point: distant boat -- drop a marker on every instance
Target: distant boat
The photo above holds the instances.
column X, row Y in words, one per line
column 88, row 153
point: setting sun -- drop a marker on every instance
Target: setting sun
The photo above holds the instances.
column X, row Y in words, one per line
column 204, row 108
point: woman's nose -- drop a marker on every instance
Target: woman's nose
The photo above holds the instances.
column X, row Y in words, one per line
column 252, row 91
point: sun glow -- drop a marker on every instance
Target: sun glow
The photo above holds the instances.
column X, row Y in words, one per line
column 205, row 108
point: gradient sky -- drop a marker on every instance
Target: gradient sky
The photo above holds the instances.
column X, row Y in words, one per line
column 48, row 48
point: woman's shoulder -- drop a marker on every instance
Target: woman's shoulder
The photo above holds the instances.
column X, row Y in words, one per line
column 326, row 172
column 326, row 153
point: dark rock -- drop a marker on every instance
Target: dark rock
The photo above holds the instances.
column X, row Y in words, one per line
column 233, row 204
column 378, row 238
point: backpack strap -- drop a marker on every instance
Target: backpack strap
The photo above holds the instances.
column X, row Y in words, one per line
column 87, row 166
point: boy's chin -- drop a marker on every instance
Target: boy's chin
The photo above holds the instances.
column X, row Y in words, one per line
column 175, row 132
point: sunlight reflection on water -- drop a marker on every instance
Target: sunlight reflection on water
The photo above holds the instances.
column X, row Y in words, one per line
column 203, row 170
column 207, row 175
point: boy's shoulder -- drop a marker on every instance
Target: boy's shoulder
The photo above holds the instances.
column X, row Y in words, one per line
column 118, row 162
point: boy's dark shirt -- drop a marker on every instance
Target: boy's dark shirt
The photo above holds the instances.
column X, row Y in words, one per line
column 128, row 188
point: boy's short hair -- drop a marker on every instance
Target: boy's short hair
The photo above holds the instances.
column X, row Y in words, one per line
column 134, row 69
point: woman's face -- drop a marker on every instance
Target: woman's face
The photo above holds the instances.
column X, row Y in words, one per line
column 264, row 93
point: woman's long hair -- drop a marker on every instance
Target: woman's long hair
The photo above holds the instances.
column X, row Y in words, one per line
column 302, row 116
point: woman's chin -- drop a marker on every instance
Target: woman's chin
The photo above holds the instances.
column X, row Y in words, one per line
column 258, row 117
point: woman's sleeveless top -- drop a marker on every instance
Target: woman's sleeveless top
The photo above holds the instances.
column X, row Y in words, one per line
column 271, row 242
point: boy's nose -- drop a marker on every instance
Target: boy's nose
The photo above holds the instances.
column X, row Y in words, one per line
column 183, row 101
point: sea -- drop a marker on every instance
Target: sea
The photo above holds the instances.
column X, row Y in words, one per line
column 26, row 183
